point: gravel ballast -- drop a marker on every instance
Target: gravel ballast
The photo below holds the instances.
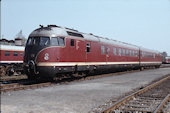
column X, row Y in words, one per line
column 77, row 97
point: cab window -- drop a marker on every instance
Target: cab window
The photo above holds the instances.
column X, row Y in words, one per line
column 38, row 41
column 58, row 41
column 45, row 41
column 61, row 41
column 54, row 41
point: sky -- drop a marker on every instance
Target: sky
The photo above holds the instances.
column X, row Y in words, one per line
column 144, row 23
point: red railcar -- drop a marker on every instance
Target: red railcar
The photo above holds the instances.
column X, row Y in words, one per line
column 167, row 60
column 53, row 50
column 11, row 56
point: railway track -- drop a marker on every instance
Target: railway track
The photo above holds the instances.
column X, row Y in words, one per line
column 19, row 86
column 23, row 76
column 23, row 84
column 152, row 99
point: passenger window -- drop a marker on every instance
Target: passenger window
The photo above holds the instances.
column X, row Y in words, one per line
column 72, row 42
column 7, row 53
column 120, row 51
column 133, row 53
column 115, row 51
column 54, row 41
column 124, row 52
column 88, row 47
column 130, row 52
column 21, row 53
column 102, row 50
column 127, row 52
column 108, row 50
column 15, row 53
column 136, row 53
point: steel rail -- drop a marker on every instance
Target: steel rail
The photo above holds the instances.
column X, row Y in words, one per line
column 161, row 105
column 23, row 87
column 129, row 97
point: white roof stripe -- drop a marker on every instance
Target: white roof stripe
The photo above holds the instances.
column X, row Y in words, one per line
column 12, row 48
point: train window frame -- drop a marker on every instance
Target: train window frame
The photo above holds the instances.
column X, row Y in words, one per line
column 124, row 52
column 21, row 54
column 115, row 51
column 15, row 53
column 88, row 47
column 54, row 41
column 36, row 41
column 7, row 53
column 154, row 56
column 130, row 52
column 133, row 52
column 127, row 52
column 63, row 41
column 29, row 41
column 136, row 53
column 102, row 49
column 58, row 42
column 44, row 42
column 107, row 50
column 120, row 51
column 72, row 42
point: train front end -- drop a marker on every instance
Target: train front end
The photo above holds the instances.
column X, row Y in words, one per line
column 41, row 49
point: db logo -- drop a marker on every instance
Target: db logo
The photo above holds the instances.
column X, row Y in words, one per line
column 46, row 56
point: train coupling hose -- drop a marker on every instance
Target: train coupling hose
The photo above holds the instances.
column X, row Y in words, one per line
column 32, row 66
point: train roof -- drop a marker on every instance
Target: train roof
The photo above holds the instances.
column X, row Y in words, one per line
column 149, row 50
column 12, row 48
column 53, row 30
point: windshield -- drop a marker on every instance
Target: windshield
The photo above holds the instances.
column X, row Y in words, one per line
column 38, row 41
column 44, row 41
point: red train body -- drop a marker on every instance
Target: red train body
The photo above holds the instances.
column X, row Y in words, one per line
column 10, row 57
column 53, row 50
column 167, row 60
column 11, row 54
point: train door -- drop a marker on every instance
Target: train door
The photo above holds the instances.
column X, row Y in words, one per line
column 75, row 51
column 107, row 53
column 88, row 51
